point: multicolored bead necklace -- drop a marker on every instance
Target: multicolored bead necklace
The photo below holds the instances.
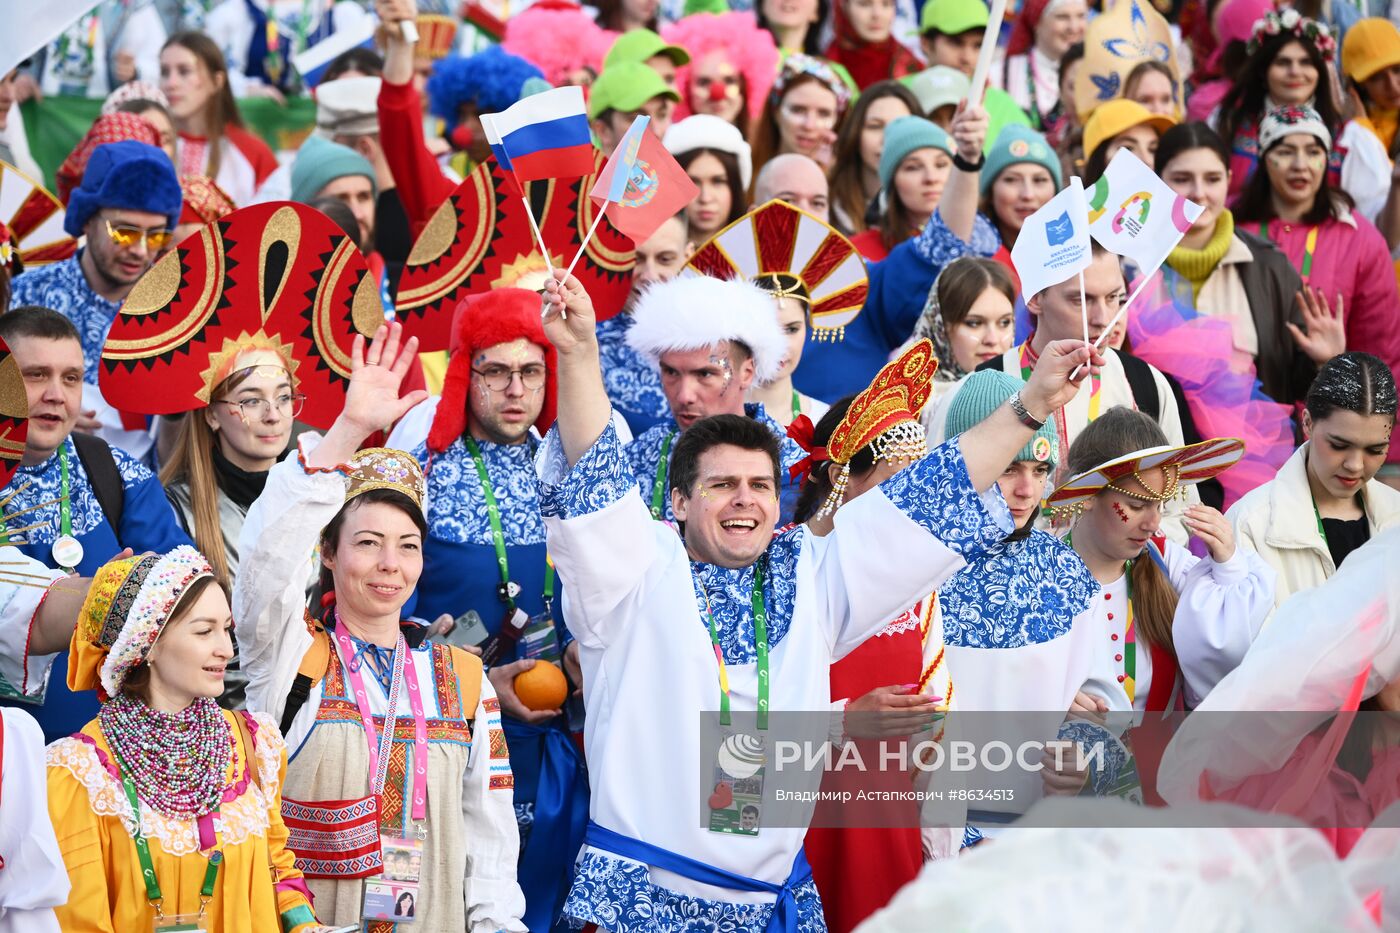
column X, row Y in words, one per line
column 178, row 761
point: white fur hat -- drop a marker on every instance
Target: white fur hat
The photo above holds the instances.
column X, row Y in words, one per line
column 690, row 312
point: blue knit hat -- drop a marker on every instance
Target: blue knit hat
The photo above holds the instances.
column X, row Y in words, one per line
column 127, row 175
column 490, row 80
column 1015, row 145
column 984, row 392
column 320, row 162
column 904, row 135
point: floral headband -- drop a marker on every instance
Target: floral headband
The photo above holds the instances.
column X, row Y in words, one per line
column 1276, row 23
column 796, row 65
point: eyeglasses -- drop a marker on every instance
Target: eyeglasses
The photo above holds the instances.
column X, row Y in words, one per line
column 257, row 408
column 498, row 378
column 127, row 236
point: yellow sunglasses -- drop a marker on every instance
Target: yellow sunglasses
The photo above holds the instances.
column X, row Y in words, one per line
column 127, row 236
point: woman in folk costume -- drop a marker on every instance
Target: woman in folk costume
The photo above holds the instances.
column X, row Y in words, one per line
column 1325, row 501
column 1329, row 654
column 195, row 788
column 970, row 316
column 277, row 351
column 1169, row 624
column 1014, row 620
column 864, row 42
column 1040, row 36
column 817, row 280
column 899, row 673
column 401, row 779
column 213, row 141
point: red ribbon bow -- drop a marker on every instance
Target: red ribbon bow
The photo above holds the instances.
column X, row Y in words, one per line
column 804, row 433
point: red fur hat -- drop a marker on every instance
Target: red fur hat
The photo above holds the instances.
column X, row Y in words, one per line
column 482, row 321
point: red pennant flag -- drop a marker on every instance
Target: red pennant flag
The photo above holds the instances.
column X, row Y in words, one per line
column 657, row 189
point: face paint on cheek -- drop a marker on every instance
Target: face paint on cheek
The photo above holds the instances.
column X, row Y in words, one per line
column 722, row 363
column 1121, row 512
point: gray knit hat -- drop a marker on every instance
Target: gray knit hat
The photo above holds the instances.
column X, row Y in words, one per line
column 984, row 392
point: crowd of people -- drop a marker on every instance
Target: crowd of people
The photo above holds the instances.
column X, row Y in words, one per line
column 366, row 564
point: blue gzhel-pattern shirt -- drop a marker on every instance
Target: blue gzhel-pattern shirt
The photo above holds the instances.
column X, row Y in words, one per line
column 63, row 287
column 632, row 382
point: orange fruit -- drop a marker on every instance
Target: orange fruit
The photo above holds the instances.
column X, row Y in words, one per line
column 542, row 687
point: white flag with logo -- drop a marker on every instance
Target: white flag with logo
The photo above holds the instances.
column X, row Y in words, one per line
column 1133, row 213
column 1053, row 244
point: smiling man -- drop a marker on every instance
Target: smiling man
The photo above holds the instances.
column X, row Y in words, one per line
column 731, row 615
column 710, row 340
column 74, row 502
column 127, row 207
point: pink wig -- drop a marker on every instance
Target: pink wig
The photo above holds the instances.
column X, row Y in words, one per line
column 750, row 49
column 559, row 38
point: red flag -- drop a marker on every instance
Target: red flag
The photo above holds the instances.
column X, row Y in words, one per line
column 657, row 189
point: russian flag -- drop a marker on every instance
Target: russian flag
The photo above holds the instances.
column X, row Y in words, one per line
column 312, row 63
column 493, row 139
column 544, row 136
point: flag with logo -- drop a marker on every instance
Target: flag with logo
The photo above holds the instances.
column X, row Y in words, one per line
column 1133, row 213
column 1053, row 244
column 642, row 185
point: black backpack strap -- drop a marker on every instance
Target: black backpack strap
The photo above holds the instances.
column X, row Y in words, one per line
column 102, row 473
column 296, row 699
column 1143, row 385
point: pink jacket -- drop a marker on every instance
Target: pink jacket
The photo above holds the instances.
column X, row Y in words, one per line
column 1350, row 258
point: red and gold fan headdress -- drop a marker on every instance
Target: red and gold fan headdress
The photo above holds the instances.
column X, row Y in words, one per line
column 884, row 417
column 272, row 279
column 35, row 219
column 792, row 254
column 479, row 239
column 437, row 36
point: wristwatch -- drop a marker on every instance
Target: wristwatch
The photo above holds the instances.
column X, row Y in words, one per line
column 1023, row 415
column 965, row 166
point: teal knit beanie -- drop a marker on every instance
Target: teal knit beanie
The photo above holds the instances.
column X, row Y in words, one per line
column 320, row 162
column 904, row 135
column 1015, row 145
column 984, row 392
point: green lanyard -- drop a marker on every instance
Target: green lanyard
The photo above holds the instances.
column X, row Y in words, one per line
column 796, row 405
column 1322, row 532
column 658, row 489
column 760, row 628
column 143, row 853
column 65, row 508
column 498, row 537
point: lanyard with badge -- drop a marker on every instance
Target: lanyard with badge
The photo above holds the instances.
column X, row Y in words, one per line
column 169, row 923
column 658, row 488
column 403, row 855
column 67, row 551
column 737, row 801
column 516, row 625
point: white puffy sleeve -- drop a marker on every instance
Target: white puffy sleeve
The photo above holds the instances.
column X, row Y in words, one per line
column 34, row 880
column 1219, row 612
column 24, row 583
column 277, row 548
column 494, row 900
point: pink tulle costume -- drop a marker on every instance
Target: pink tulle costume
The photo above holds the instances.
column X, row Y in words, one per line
column 559, row 39
column 750, row 50
column 1222, row 390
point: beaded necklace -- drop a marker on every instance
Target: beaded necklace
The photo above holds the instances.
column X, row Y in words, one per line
column 177, row 761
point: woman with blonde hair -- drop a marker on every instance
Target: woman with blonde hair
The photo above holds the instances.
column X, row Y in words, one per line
column 212, row 140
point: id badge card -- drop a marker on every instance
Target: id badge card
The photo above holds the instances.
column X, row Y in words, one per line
column 736, row 801
column 180, row 923
column 539, row 640
column 403, row 859
column 395, row 901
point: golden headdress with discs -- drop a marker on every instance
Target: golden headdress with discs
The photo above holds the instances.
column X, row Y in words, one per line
column 384, row 468
column 885, row 417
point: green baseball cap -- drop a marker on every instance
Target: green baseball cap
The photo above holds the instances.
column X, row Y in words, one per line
column 638, row 45
column 953, row 17
column 625, row 87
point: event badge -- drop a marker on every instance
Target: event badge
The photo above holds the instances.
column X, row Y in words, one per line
column 393, row 895
column 180, row 923
column 67, row 552
column 736, row 798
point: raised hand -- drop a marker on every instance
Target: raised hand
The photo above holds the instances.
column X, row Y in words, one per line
column 376, row 373
column 969, row 130
column 1323, row 334
column 1051, row 387
column 569, row 320
column 1211, row 527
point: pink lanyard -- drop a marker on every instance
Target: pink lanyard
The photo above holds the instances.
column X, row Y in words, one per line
column 379, row 750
